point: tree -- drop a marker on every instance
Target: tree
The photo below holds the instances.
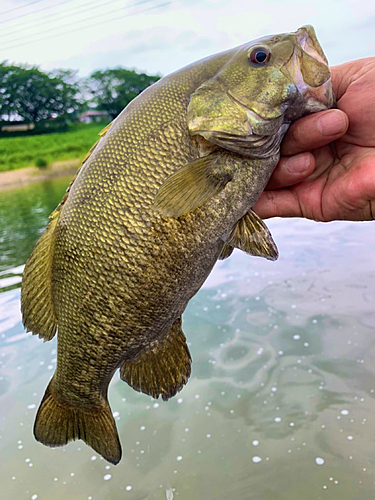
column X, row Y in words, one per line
column 32, row 95
column 113, row 89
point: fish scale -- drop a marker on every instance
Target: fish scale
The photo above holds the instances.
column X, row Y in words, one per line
column 167, row 190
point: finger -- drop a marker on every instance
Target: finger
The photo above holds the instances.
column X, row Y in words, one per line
column 314, row 131
column 324, row 160
column 280, row 203
column 291, row 170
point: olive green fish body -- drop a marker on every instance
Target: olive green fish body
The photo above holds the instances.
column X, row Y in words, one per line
column 167, row 190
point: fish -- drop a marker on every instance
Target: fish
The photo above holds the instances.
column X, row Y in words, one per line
column 166, row 191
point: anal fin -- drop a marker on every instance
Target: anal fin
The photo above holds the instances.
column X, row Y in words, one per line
column 163, row 368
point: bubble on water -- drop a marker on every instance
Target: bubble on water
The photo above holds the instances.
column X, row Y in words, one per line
column 281, row 353
column 72, row 474
column 186, row 429
column 196, row 396
column 169, row 494
column 179, row 458
column 179, row 400
column 142, row 427
column 350, row 438
column 255, row 442
column 93, row 458
column 296, row 337
column 291, row 424
column 319, row 461
column 34, row 497
column 129, row 488
column 208, row 435
column 256, row 460
column 156, row 405
column 107, row 477
column 50, row 367
column 31, row 407
column 277, row 419
column 116, row 414
column 344, row 412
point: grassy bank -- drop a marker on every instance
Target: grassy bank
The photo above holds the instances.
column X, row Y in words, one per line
column 42, row 150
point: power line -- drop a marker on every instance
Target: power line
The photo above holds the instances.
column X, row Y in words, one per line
column 20, row 7
column 36, row 11
column 91, row 25
column 92, row 7
column 84, row 20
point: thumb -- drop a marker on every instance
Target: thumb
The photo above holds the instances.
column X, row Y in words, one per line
column 314, row 131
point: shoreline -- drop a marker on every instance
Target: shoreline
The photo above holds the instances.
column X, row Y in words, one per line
column 12, row 179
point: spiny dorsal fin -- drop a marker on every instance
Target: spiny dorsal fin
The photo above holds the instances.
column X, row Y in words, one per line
column 87, row 156
column 251, row 235
column 190, row 187
column 163, row 368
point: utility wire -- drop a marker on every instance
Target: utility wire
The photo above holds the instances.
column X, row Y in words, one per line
column 36, row 11
column 82, row 20
column 20, row 7
column 91, row 25
column 92, row 7
column 26, row 21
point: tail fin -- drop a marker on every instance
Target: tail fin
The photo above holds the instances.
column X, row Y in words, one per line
column 56, row 424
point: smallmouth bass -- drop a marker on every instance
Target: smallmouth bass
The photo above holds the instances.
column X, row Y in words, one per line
column 166, row 191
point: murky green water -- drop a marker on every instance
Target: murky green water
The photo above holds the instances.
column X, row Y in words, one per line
column 280, row 405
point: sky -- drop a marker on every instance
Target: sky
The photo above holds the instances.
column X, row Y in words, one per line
column 161, row 36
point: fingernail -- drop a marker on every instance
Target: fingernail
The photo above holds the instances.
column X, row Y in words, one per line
column 331, row 123
column 298, row 164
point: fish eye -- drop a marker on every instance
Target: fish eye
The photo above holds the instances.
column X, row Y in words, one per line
column 259, row 56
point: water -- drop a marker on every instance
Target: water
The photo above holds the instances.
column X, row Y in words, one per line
column 280, row 404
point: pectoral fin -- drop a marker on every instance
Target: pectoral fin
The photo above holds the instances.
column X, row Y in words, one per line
column 191, row 187
column 251, row 235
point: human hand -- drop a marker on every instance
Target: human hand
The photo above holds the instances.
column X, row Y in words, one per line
column 327, row 169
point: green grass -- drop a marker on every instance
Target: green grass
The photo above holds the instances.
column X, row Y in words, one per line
column 44, row 149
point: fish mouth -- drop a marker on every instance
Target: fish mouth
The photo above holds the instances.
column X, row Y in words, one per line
column 308, row 69
column 254, row 126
